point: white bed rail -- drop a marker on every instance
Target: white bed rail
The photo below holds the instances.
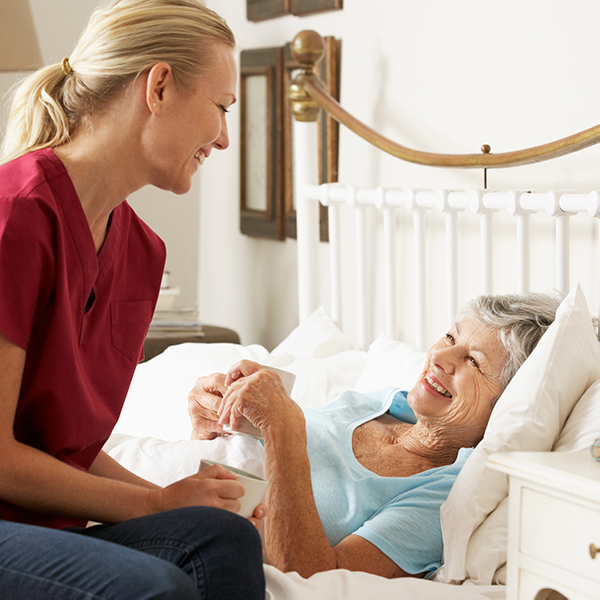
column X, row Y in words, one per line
column 520, row 205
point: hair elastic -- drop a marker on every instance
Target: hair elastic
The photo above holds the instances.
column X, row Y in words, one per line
column 66, row 67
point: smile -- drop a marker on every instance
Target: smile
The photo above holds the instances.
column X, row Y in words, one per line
column 200, row 157
column 437, row 387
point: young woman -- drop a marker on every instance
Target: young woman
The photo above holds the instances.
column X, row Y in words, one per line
column 142, row 100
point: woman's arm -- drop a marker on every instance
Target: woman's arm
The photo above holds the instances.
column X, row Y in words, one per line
column 295, row 538
column 36, row 480
column 107, row 466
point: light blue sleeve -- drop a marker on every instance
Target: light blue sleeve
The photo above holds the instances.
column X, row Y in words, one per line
column 408, row 529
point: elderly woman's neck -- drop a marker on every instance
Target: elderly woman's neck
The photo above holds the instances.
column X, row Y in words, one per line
column 437, row 443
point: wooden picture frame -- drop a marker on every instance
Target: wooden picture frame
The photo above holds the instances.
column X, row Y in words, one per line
column 261, row 184
column 309, row 7
column 259, row 10
column 328, row 70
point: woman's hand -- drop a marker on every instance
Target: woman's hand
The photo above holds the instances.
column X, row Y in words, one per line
column 257, row 393
column 215, row 486
column 203, row 403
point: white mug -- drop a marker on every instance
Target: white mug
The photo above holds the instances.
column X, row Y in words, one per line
column 255, row 487
column 288, row 379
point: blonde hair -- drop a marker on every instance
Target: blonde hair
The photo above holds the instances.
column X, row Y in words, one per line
column 121, row 41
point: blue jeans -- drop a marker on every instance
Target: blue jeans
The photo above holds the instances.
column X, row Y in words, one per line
column 196, row 552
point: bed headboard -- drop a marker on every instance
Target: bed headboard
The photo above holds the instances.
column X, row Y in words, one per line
column 393, row 261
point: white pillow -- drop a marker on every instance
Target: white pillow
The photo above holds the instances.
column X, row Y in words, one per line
column 156, row 404
column 528, row 417
column 488, row 547
column 390, row 363
column 321, row 380
column 316, row 337
column 583, row 425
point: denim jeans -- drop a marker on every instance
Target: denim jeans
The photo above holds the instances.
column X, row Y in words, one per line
column 196, row 552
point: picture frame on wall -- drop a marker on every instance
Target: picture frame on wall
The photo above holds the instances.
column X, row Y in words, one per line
column 259, row 10
column 261, row 148
column 328, row 70
column 309, row 7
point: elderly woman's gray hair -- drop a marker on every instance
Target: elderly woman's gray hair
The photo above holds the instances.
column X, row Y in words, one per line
column 520, row 320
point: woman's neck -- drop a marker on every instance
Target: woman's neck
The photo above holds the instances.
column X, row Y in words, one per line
column 98, row 160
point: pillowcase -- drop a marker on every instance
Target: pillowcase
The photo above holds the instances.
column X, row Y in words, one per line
column 390, row 364
column 583, row 425
column 528, row 417
column 156, row 404
column 488, row 547
column 316, row 337
column 321, row 380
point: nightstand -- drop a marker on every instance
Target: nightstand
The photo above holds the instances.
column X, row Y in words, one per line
column 554, row 523
column 158, row 340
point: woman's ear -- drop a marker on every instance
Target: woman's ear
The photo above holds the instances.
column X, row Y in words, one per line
column 159, row 85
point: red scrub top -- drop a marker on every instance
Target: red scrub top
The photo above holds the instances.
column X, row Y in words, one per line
column 82, row 317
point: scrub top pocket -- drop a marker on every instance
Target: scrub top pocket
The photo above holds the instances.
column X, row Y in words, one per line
column 125, row 319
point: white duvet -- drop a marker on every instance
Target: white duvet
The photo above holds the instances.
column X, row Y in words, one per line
column 535, row 413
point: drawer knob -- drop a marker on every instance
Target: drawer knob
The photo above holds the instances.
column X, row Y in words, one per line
column 594, row 550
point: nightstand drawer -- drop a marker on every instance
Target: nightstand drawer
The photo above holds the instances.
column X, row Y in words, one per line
column 530, row 584
column 559, row 533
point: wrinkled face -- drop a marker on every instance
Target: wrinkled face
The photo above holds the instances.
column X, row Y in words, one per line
column 461, row 377
column 194, row 123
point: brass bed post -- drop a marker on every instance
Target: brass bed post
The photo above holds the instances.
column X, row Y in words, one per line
column 308, row 51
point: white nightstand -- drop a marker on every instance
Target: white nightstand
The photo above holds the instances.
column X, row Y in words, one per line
column 554, row 523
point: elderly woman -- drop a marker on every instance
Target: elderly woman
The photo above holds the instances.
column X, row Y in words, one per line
column 358, row 483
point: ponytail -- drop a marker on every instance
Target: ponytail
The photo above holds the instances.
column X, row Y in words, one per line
column 37, row 119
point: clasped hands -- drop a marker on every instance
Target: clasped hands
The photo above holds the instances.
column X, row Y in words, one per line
column 246, row 390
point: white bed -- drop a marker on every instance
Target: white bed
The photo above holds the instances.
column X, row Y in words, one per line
column 552, row 404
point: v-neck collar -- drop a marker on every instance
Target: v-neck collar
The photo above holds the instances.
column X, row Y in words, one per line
column 92, row 263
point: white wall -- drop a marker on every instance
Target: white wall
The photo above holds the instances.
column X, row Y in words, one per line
column 436, row 75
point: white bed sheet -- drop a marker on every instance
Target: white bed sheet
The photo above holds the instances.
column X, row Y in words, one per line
column 152, row 436
column 346, row 585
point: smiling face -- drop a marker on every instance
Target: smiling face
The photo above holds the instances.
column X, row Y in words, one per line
column 188, row 125
column 461, row 377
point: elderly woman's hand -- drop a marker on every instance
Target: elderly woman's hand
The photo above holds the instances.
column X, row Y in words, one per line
column 257, row 393
column 203, row 404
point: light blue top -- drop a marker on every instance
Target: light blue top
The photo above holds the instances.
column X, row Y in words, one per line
column 399, row 515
